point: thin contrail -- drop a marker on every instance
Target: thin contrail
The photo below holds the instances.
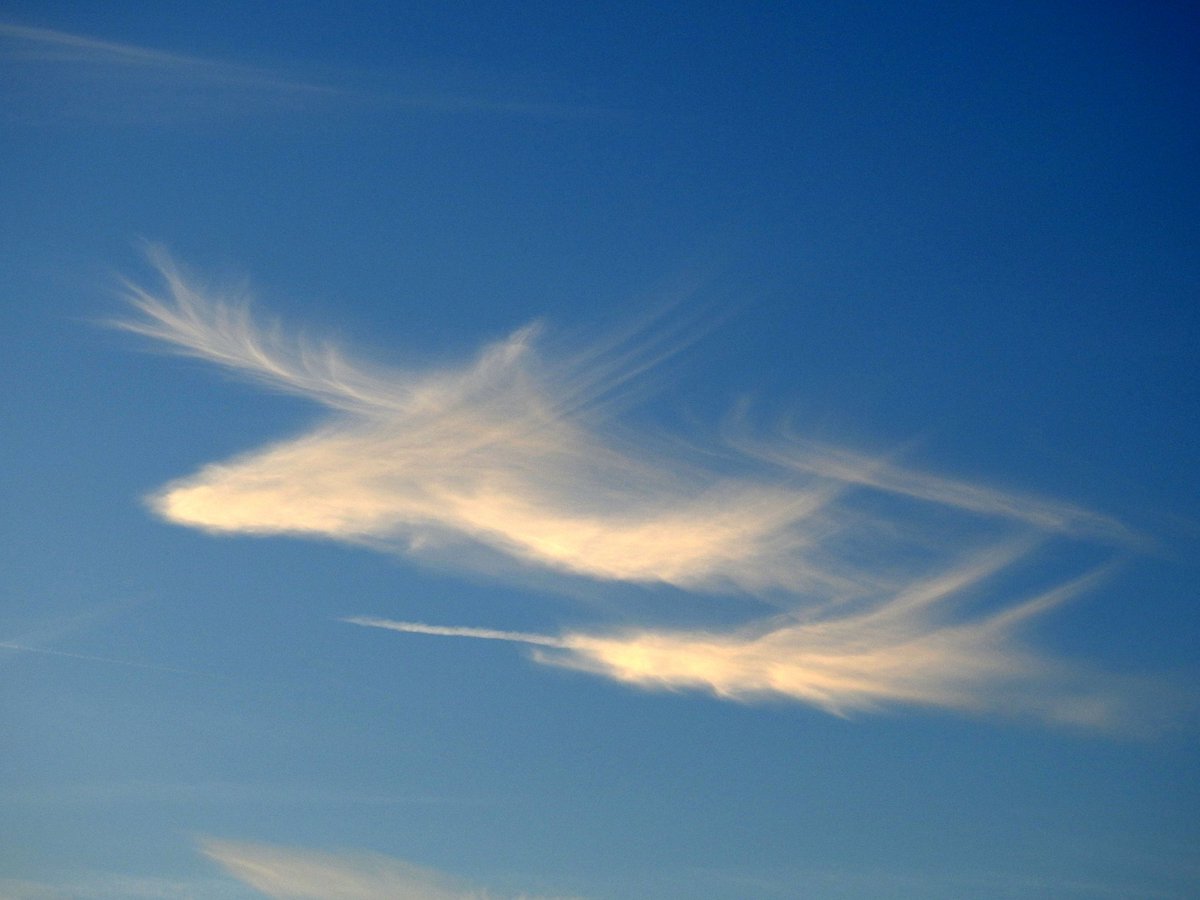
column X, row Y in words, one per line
column 7, row 645
column 489, row 634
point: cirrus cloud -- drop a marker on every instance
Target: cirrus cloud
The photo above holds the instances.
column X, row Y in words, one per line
column 891, row 580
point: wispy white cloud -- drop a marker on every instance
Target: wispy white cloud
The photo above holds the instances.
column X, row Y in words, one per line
column 296, row 874
column 512, row 453
column 842, row 464
column 506, row 452
column 910, row 649
column 500, row 452
column 487, row 634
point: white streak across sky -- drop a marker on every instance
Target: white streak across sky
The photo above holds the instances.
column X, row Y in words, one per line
column 902, row 651
column 48, row 45
column 511, row 454
column 118, row 71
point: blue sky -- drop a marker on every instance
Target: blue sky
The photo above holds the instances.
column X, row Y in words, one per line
column 685, row 452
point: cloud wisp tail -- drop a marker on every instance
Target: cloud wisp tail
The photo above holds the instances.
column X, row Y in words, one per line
column 896, row 653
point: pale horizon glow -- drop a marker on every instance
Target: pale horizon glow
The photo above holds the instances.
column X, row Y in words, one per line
column 295, row 873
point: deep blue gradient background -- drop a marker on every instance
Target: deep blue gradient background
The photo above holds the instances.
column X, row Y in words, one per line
column 962, row 229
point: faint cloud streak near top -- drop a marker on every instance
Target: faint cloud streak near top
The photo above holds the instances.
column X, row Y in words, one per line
column 147, row 82
column 50, row 45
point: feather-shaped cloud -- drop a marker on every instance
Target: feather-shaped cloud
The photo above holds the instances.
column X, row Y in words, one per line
column 503, row 452
column 510, row 453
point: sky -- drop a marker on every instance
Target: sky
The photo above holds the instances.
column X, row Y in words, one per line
column 688, row 451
